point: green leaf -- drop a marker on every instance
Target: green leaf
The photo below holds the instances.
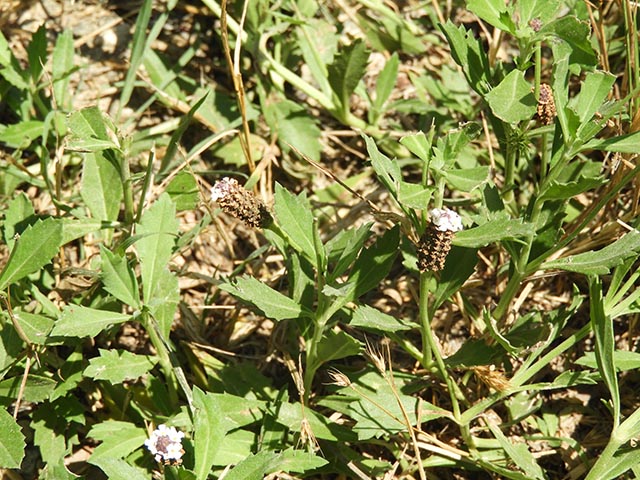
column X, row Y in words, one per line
column 116, row 366
column 512, row 100
column 577, row 36
column 74, row 228
column 119, row 278
column 418, row 144
column 347, row 69
column 78, row 321
column 563, row 191
column 373, row 264
column 469, row 52
column 292, row 415
column 378, row 413
column 385, row 83
column 624, row 360
column 253, row 467
column 343, row 249
column 387, row 170
column 459, row 266
column 118, row 469
column 18, row 210
column 493, row 12
column 158, row 230
column 493, row 231
column 621, row 144
column 37, row 53
column 62, row 67
column 12, row 442
column 163, row 300
column 20, row 135
column 593, row 92
column 89, row 130
column 296, row 221
column 118, row 439
column 184, row 191
column 294, row 126
column 519, row 453
column 36, row 327
column 101, row 186
column 414, row 195
column 467, row 179
column 36, row 389
column 35, row 248
column 335, row 345
column 602, row 327
column 371, row 318
column 601, row 261
column 273, row 304
column 209, row 432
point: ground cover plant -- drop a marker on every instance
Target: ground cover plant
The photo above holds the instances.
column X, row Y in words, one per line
column 310, row 239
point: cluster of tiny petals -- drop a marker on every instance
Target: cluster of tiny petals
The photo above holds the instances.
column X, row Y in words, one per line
column 445, row 220
column 240, row 203
column 223, row 188
column 165, row 444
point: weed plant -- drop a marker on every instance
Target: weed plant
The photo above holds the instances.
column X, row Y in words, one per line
column 324, row 240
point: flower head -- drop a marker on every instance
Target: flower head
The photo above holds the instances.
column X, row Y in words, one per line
column 165, row 444
column 446, row 220
column 240, row 203
column 435, row 242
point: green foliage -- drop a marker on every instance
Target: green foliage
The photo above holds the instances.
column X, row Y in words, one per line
column 130, row 301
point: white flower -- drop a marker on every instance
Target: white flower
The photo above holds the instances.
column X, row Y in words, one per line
column 165, row 444
column 224, row 187
column 446, row 220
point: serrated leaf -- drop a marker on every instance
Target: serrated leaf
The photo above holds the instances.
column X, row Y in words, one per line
column 35, row 248
column 118, row 439
column 119, row 278
column 79, row 321
column 577, row 35
column 493, row 231
column 621, row 144
column 101, row 186
column 118, row 469
column 184, row 191
column 74, row 228
column 386, row 82
column 335, row 345
column 18, row 210
column 20, row 135
column 296, row 221
column 209, row 432
column 373, row 263
column 414, row 195
column 164, row 299
column 274, row 304
column 116, row 366
column 36, row 327
column 467, row 179
column 294, row 126
column 36, row 389
column 344, row 247
column 89, row 124
column 62, row 66
column 601, row 261
column 12, row 442
column 459, row 266
column 493, row 12
column 512, row 100
column 593, row 92
column 347, row 69
column 158, row 229
column 373, row 319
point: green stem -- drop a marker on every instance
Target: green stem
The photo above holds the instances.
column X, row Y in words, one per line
column 163, row 357
column 425, row 321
